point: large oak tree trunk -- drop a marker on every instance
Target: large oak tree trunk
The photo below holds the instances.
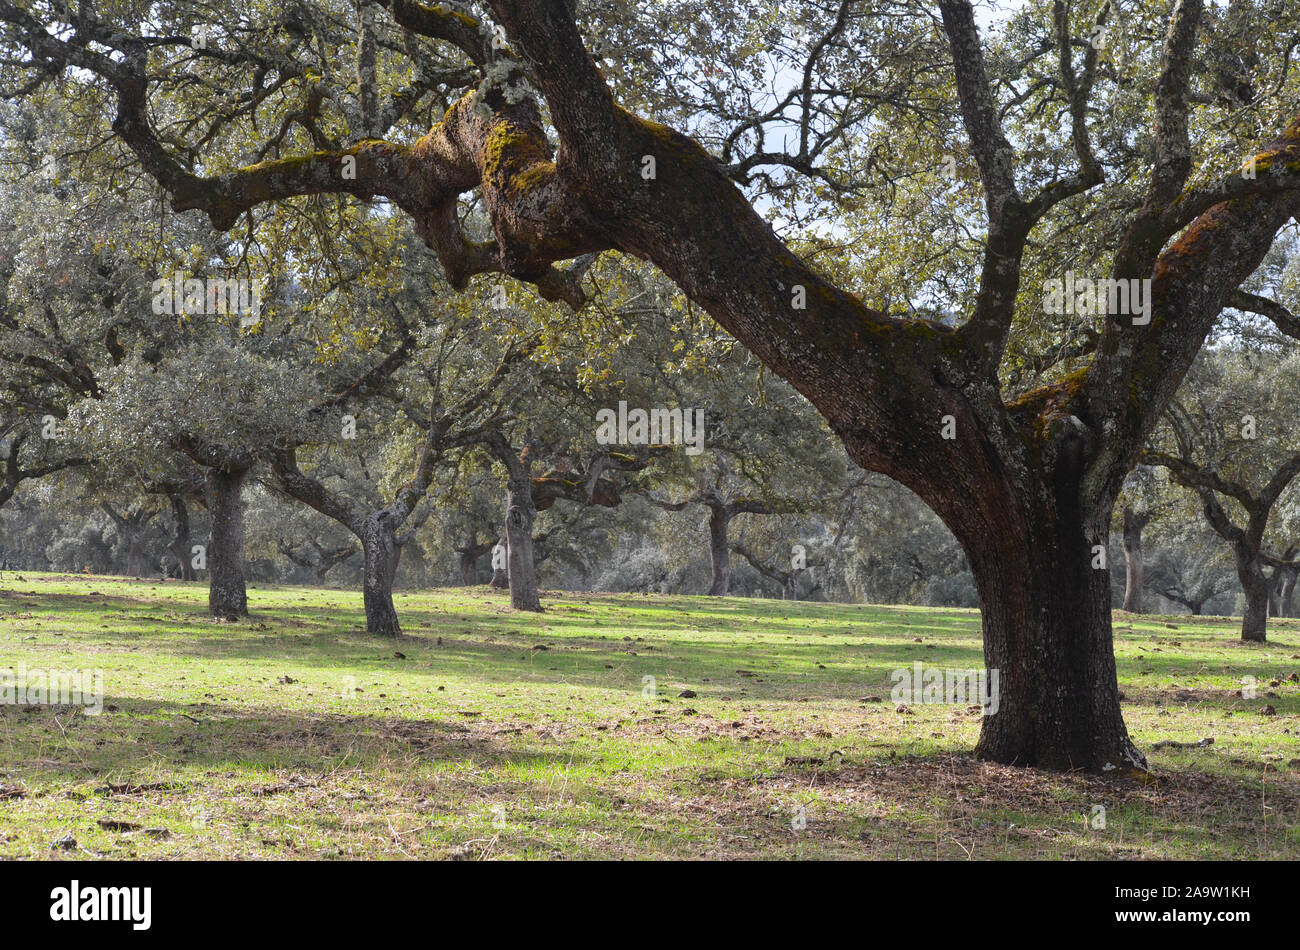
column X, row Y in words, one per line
column 1047, row 633
column 719, row 551
column 381, row 551
column 520, row 558
column 227, row 596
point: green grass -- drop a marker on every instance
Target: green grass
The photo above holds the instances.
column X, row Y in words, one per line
column 296, row 735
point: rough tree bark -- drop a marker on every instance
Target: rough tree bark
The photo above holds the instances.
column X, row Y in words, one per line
column 227, row 596
column 226, row 469
column 382, row 551
column 520, row 515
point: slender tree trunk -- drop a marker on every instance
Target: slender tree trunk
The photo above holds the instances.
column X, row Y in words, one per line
column 719, row 551
column 521, row 560
column 1133, row 567
column 227, row 596
column 1286, row 592
column 179, row 546
column 381, row 552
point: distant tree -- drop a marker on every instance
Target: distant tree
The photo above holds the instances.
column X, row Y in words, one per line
column 1232, row 434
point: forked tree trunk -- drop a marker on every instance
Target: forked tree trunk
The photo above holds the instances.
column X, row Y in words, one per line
column 719, row 551
column 381, row 552
column 227, row 596
column 1133, row 567
column 520, row 558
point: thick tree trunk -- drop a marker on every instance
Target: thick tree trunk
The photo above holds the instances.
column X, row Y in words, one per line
column 1047, row 633
column 520, row 558
column 1133, row 568
column 227, row 597
column 1256, row 587
column 381, row 552
column 719, row 551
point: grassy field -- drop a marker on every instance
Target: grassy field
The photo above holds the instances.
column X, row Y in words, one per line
column 767, row 732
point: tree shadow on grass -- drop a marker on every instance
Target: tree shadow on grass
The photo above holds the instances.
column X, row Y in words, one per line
column 983, row 805
column 63, row 745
